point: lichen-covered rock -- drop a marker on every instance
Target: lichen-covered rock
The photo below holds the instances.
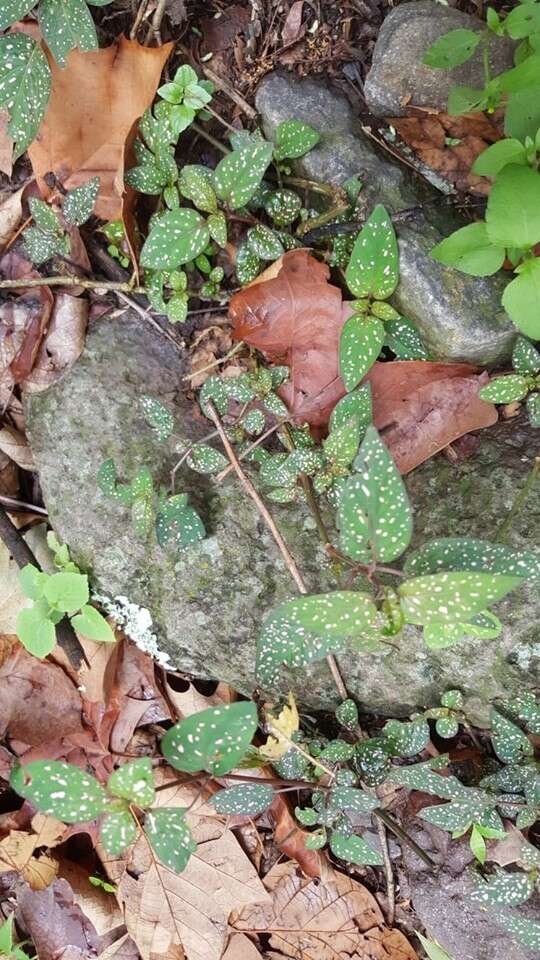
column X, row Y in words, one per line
column 459, row 317
column 398, row 78
column 208, row 603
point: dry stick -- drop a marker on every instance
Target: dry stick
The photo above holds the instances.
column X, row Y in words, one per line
column 388, row 872
column 225, row 473
column 20, row 506
column 225, row 86
column 22, row 555
column 282, row 546
column 69, row 282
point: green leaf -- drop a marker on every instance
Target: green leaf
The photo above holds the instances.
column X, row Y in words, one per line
column 465, row 100
column 294, row 139
column 25, row 86
column 406, row 739
column 148, row 178
column 525, row 358
column 60, row 790
column 521, row 298
column 41, row 246
column 348, row 798
column 254, row 422
column 354, row 849
column 360, row 344
column 117, row 832
column 524, row 930
column 195, row 184
column 526, row 707
column 471, row 251
column 523, row 21
column 505, row 389
column 247, row 265
column 522, row 115
column 513, row 208
column 525, row 75
column 178, row 523
column 178, row 237
column 36, row 632
column 238, row 175
column 440, row 634
column 316, row 840
column 347, row 714
column 452, row 49
column 356, row 404
column 306, row 629
column 142, row 515
column 13, row 10
column 134, row 782
column 217, row 227
column 44, row 216
column 464, row 553
column 492, row 160
column 447, row 727
column 67, row 591
column 455, row 816
column 307, row 817
column 433, row 950
column 452, row 597
column 246, row 798
column 91, row 624
column 205, row 459
column 373, row 269
column 32, row 581
column 79, row 203
column 283, row 207
column 421, row 776
column 533, row 409
column 215, row 740
column 337, row 751
column 157, row 415
column 264, row 243
column 170, row 837
column 374, row 517
column 506, row 889
column 477, row 845
column 341, row 445
column 402, row 337
column 65, row 25
column 509, row 742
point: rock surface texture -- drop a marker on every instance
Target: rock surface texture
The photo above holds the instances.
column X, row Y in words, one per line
column 398, row 77
column 208, row 603
column 459, row 317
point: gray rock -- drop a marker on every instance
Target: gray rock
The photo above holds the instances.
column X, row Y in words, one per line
column 441, row 901
column 459, row 317
column 398, row 78
column 208, row 604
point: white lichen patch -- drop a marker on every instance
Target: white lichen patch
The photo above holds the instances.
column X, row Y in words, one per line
column 136, row 622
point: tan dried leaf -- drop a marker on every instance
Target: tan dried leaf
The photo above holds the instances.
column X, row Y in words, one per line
column 62, row 344
column 241, row 947
column 17, row 853
column 287, row 722
column 10, row 214
column 14, row 444
column 31, row 691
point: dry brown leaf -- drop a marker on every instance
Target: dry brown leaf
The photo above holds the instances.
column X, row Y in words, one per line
column 14, row 444
column 191, row 700
column 10, row 214
column 332, row 919
column 30, row 692
column 241, row 947
column 95, row 100
column 122, row 949
column 99, row 906
column 17, row 853
column 55, row 923
column 292, row 28
column 23, row 323
column 290, row 838
column 6, row 145
column 62, row 344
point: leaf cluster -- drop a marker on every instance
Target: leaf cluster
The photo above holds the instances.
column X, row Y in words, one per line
column 49, row 236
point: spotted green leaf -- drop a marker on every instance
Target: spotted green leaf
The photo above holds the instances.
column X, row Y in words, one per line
column 41, row 245
column 453, row 699
column 509, row 742
column 455, row 816
column 337, row 751
column 307, row 816
column 44, row 216
column 522, row 929
column 293, row 139
column 283, row 207
column 36, row 631
column 238, row 175
column 214, row 740
column 349, row 798
column 79, row 203
column 306, row 629
column 526, row 707
column 264, row 243
column 91, row 624
column 403, row 339
column 147, row 178
column 374, row 516
column 505, row 389
column 421, row 776
column 178, row 524
column 25, row 86
column 533, row 409
column 279, row 470
column 360, row 343
column 452, row 597
column 452, row 49
column 447, row 727
column 205, row 459
column 316, row 840
column 65, row 25
column 246, row 798
column 117, row 832
column 60, row 790
column 372, row 760
column 157, row 415
column 134, row 782
column 13, row 10
column 525, row 357
column 347, row 714
column 462, row 553
column 178, row 237
column 373, row 270
column 170, row 837
column 217, row 227
column 406, row 739
column 195, row 184
column 214, row 389
column 247, row 264
column 356, row 404
column 254, row 422
column 354, row 849
column 341, row 445
column 504, row 889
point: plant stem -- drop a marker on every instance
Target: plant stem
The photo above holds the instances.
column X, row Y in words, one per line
column 241, row 456
column 518, row 503
column 208, row 136
column 280, row 542
column 403, row 836
column 220, row 119
column 388, row 872
column 321, row 220
column 70, row 282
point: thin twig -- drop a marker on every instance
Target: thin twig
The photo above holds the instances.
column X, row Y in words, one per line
column 130, row 302
column 518, row 503
column 154, row 28
column 288, row 558
column 226, row 87
column 388, row 872
column 16, row 506
column 208, row 136
column 216, row 363
column 69, row 282
column 241, row 456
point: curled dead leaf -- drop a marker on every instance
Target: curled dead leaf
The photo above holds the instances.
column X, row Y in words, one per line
column 14, row 444
column 10, row 212
column 30, row 692
column 62, row 344
column 18, row 852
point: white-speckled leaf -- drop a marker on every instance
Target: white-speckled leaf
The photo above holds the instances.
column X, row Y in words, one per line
column 264, row 243
column 521, row 929
column 509, row 742
column 13, row 10
column 157, row 415
column 505, row 389
column 294, row 139
column 60, row 790
column 407, row 738
column 447, row 727
column 525, row 357
column 247, row 265
column 238, row 175
column 462, row 553
column 402, row 337
column 355, row 404
column 455, row 816
column 354, row 849
column 360, row 343
column 25, row 86
column 117, row 832
column 349, row 798
column 206, row 459
column 533, row 409
column 215, row 740
column 337, row 751
column 347, row 714
column 79, row 203
column 134, row 782
column 178, row 237
column 246, row 798
column 504, row 889
column 421, row 776
column 374, row 517
column 217, row 226
column 170, row 837
column 44, row 216
column 195, row 184
column 65, row 25
column 40, row 246
column 452, row 597
column 178, row 524
column 373, row 269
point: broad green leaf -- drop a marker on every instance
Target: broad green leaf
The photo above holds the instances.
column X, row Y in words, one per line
column 533, row 409
column 347, row 714
column 170, row 837
column 44, row 216
column 525, row 357
column 492, row 160
column 373, row 269
column 471, row 251
column 524, row 930
column 60, row 790
column 65, row 25
column 360, row 344
column 217, row 227
column 506, row 889
column 40, row 246
column 178, row 237
column 509, row 742
column 452, row 49
column 526, row 707
column 374, row 517
column 356, row 404
column 67, row 591
column 341, row 445
column 148, row 178
column 283, row 207
column 455, row 816
column 354, row 849
column 79, row 203
column 215, row 740
column 523, row 21
column 264, row 243
column 521, row 298
column 13, row 10
column 36, row 632
column 205, row 459
column 453, row 699
column 178, row 523
column 316, row 840
column 522, row 115
column 25, row 85
column 308, row 817
column 216, row 390
column 433, row 950
column 238, row 175
column 306, row 629
column 406, row 739
column 463, row 553
column 421, row 776
column 134, row 782
column 195, row 183
column 254, row 422
column 32, row 581
column 447, row 727
column 348, row 798
column 91, row 624
column 525, row 75
column 246, row 798
column 402, row 337
column 452, row 597
column 294, row 139
column 157, row 415
column 478, row 845
column 372, row 761
column 513, row 208
column 337, row 751
column 465, row 100
column 505, row 389
column 142, row 515
column 117, row 832
column 107, row 481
